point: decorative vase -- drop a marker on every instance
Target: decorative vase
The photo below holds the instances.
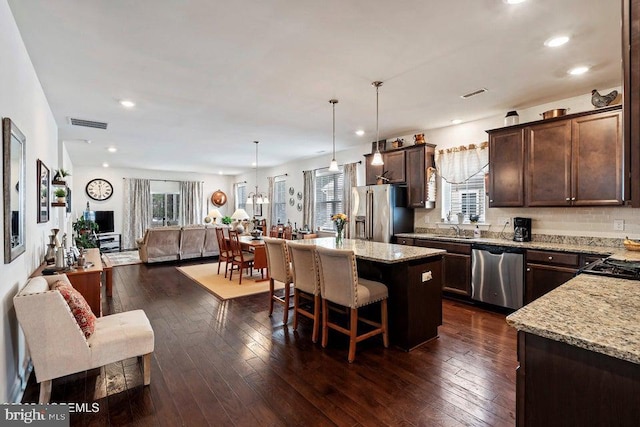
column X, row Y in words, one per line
column 339, row 237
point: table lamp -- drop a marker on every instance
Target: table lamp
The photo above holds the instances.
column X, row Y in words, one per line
column 213, row 215
column 238, row 216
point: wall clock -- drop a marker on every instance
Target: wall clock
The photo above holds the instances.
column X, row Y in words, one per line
column 99, row 189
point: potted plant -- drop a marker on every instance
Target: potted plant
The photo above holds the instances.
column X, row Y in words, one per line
column 226, row 220
column 60, row 194
column 60, row 175
column 85, row 233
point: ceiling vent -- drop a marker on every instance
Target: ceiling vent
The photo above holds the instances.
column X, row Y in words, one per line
column 474, row 93
column 87, row 123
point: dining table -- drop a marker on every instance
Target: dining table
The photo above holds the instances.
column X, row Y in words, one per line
column 257, row 247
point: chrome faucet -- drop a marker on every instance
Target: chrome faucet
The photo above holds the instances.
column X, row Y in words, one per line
column 457, row 230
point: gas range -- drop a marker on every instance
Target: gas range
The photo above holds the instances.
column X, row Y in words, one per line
column 612, row 267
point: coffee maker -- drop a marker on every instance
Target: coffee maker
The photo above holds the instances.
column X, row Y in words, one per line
column 521, row 229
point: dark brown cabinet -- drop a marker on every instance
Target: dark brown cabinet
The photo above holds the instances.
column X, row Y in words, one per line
column 408, row 166
column 456, row 272
column 567, row 161
column 418, row 161
column 506, row 168
column 549, row 164
column 546, row 270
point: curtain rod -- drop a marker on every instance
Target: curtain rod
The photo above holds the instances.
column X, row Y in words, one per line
column 282, row 174
column 327, row 167
column 164, row 180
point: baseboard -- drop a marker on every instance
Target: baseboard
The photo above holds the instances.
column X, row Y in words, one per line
column 20, row 383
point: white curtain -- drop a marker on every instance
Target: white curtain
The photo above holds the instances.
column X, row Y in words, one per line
column 350, row 181
column 271, row 195
column 457, row 165
column 308, row 217
column 137, row 211
column 191, row 202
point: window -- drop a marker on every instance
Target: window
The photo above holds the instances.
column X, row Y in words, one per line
column 279, row 202
column 468, row 198
column 328, row 200
column 241, row 196
column 165, row 203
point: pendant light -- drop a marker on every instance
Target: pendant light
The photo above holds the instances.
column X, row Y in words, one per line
column 258, row 196
column 377, row 157
column 333, row 167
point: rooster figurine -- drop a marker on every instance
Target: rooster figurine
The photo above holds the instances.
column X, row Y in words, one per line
column 602, row 100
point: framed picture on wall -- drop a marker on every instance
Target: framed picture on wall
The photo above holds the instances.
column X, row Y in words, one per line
column 42, row 173
column 68, row 200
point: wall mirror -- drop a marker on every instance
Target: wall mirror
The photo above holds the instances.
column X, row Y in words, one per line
column 13, row 189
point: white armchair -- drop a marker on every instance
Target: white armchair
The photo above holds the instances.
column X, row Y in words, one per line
column 58, row 346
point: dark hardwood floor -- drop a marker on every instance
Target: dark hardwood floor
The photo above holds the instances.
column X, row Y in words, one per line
column 228, row 363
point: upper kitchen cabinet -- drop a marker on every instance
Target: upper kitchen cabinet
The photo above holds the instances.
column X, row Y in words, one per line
column 408, row 166
column 506, row 167
column 573, row 160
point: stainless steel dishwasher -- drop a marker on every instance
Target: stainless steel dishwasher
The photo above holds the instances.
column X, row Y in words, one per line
column 497, row 275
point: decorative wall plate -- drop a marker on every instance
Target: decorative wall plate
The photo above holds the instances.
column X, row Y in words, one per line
column 218, row 198
column 299, row 195
column 299, row 207
column 291, row 191
column 292, row 202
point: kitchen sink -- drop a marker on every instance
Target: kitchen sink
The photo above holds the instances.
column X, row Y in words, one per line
column 455, row 237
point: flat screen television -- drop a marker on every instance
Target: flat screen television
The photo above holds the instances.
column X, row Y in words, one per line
column 104, row 219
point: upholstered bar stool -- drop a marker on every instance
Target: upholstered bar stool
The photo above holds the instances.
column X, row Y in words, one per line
column 307, row 284
column 340, row 284
column 279, row 270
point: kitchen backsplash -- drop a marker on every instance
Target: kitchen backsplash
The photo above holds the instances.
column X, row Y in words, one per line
column 586, row 223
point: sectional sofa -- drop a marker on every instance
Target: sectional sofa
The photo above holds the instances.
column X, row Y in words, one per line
column 176, row 243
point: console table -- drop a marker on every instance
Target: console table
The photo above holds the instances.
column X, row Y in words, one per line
column 88, row 281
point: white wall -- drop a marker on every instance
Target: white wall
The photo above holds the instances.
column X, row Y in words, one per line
column 24, row 102
column 583, row 221
column 82, row 175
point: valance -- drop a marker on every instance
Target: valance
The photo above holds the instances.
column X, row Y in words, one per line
column 459, row 164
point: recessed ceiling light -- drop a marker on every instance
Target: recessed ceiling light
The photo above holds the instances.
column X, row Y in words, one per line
column 112, row 149
column 253, row 164
column 578, row 70
column 514, row 1
column 219, row 172
column 105, row 165
column 456, row 121
column 88, row 141
column 556, row 41
column 127, row 104
column 360, row 132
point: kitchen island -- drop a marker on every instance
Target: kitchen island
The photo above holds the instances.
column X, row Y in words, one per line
column 413, row 276
column 579, row 354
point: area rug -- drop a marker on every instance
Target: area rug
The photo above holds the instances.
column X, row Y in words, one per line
column 206, row 276
column 123, row 258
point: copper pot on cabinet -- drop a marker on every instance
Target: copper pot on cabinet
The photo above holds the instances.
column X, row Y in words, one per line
column 556, row 112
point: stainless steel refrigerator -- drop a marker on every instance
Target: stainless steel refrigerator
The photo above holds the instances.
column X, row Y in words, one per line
column 378, row 212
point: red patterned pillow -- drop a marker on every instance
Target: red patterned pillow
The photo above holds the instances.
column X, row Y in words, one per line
column 79, row 307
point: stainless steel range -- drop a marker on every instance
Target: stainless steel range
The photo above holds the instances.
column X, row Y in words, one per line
column 613, row 267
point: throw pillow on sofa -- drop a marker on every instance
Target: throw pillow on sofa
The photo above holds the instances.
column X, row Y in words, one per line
column 79, row 307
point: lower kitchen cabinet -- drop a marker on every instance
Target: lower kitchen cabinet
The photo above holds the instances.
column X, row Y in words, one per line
column 546, row 270
column 456, row 274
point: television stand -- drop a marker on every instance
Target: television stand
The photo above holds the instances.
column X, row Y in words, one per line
column 110, row 242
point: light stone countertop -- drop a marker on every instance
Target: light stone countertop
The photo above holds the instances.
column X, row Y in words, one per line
column 597, row 313
column 387, row 253
column 587, row 247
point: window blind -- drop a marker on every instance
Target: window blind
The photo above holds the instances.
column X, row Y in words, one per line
column 328, row 201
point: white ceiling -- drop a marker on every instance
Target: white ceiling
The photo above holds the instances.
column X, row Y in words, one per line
column 209, row 77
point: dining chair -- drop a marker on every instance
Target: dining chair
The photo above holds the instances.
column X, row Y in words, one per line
column 273, row 232
column 340, row 284
column 225, row 253
column 287, row 232
column 279, row 270
column 307, row 284
column 239, row 258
